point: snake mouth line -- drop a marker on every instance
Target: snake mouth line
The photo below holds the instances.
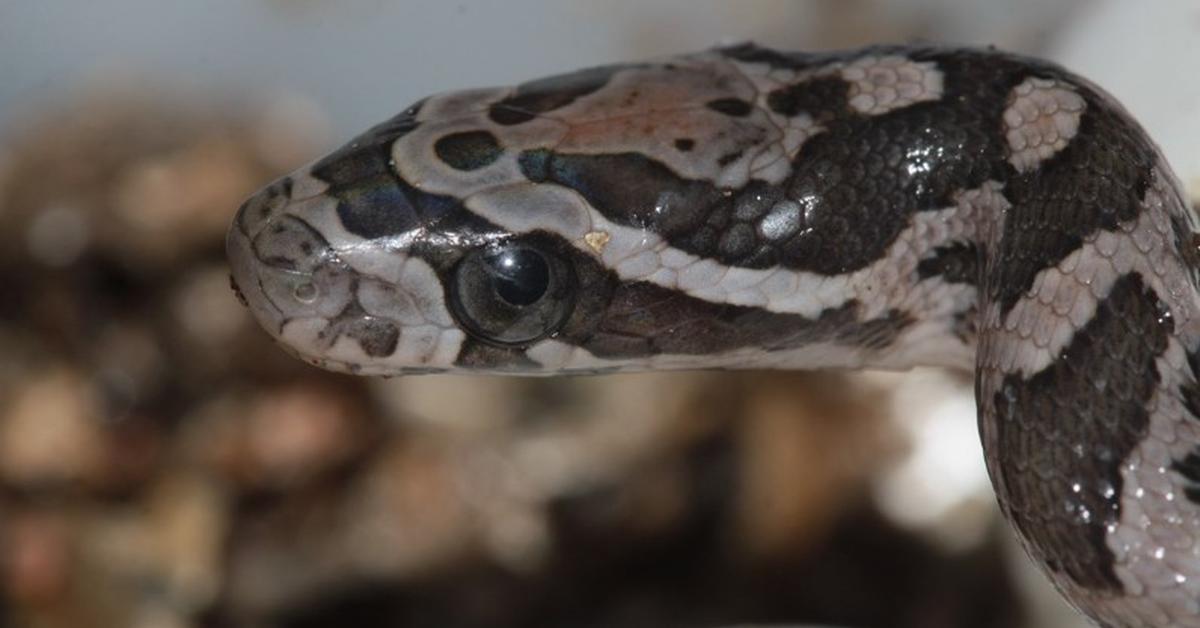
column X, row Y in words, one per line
column 237, row 291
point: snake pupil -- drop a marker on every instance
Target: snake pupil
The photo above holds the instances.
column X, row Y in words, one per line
column 520, row 276
column 514, row 292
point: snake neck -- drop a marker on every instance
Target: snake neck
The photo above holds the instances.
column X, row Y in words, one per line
column 1087, row 354
column 1069, row 283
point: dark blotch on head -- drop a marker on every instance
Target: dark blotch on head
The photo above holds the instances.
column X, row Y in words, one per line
column 290, row 243
column 685, row 144
column 535, row 164
column 260, row 208
column 372, row 201
column 734, row 107
column 469, row 150
column 548, row 94
column 378, row 338
column 507, row 115
column 628, row 188
column 1057, row 432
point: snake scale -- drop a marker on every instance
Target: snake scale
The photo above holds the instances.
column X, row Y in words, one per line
column 747, row 208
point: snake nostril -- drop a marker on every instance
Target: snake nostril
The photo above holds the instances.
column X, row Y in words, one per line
column 305, row 292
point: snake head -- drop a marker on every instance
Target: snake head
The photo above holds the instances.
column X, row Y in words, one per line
column 353, row 267
column 618, row 218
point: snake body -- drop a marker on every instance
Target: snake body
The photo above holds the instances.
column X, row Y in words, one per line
column 747, row 208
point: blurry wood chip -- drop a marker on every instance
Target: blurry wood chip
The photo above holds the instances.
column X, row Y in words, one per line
column 208, row 313
column 130, row 358
column 58, row 235
column 50, row 431
column 610, row 424
column 211, row 436
column 407, row 512
column 810, row 443
column 36, row 558
column 401, row 517
column 172, row 203
column 298, row 431
column 437, row 401
column 155, row 178
column 189, row 517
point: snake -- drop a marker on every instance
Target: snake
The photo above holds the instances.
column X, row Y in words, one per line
column 746, row 208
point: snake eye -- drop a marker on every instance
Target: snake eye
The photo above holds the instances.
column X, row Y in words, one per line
column 512, row 293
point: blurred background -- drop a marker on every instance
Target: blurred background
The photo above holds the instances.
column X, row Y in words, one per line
column 163, row 465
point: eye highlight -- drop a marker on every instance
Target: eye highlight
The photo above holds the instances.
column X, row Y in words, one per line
column 512, row 293
column 521, row 275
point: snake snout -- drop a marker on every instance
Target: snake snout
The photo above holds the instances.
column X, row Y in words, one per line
column 281, row 267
